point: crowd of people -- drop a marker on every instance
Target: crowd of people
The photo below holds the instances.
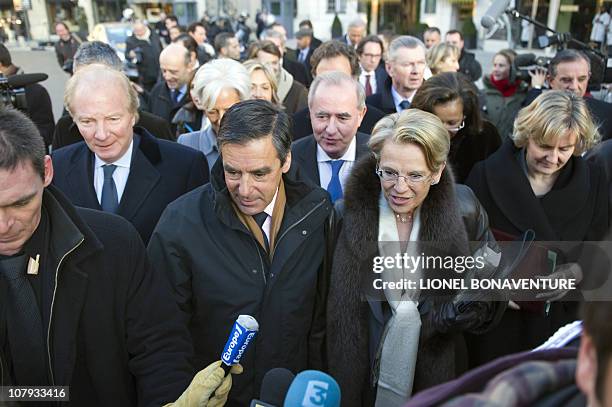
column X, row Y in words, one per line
column 237, row 177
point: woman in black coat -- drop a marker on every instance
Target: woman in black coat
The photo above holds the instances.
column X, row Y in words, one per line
column 386, row 344
column 539, row 181
column 454, row 99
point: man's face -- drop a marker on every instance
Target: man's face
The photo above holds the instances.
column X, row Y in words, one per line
column 431, row 38
column 271, row 61
column 279, row 45
column 280, row 29
column 455, row 39
column 170, row 23
column 573, row 76
column 173, row 33
column 253, row 173
column 231, row 49
column 335, row 117
column 407, row 69
column 102, row 116
column 591, row 378
column 338, row 63
column 199, row 35
column 175, row 70
column 139, row 30
column 303, row 42
column 21, row 191
column 355, row 34
column 62, row 32
column 370, row 57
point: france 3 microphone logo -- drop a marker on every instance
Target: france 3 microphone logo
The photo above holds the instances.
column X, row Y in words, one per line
column 316, row 393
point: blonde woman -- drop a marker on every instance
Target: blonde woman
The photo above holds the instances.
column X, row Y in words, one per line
column 263, row 82
column 443, row 57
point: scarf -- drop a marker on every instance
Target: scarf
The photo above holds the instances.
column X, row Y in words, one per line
column 277, row 218
column 506, row 88
column 399, row 345
column 285, row 81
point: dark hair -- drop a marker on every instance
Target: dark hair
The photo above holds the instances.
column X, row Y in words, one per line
column 5, row 56
column 596, row 317
column 62, row 24
column 307, row 23
column 97, row 52
column 567, row 55
column 266, row 46
column 171, row 17
column 370, row 38
column 20, row 142
column 221, row 40
column 446, row 87
column 187, row 41
column 254, row 119
column 455, row 32
column 192, row 27
column 434, row 30
column 332, row 49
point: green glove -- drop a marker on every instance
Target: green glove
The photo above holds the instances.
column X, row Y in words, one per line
column 206, row 382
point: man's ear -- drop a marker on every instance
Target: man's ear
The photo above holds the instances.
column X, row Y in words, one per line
column 287, row 164
column 48, row 171
column 586, row 369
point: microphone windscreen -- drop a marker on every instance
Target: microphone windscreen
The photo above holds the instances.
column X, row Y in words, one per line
column 19, row 81
column 524, row 59
column 312, row 388
column 495, row 10
column 275, row 385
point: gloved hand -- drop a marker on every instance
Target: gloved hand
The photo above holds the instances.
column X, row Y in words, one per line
column 210, row 380
column 451, row 317
column 563, row 272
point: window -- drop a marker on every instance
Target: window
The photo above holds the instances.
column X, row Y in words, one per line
column 430, row 6
column 336, row 5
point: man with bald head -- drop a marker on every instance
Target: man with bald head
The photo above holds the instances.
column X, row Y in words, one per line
column 120, row 168
column 143, row 47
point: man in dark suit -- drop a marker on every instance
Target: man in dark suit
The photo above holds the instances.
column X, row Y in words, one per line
column 288, row 56
column 337, row 107
column 171, row 93
column 570, row 70
column 355, row 32
column 468, row 65
column 373, row 74
column 117, row 168
column 308, row 24
column 406, row 66
column 334, row 56
column 304, row 47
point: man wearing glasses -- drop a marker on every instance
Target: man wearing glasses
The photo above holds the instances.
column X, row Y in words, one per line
column 373, row 74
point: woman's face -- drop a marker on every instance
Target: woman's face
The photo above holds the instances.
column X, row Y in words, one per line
column 501, row 68
column 226, row 99
column 451, row 115
column 449, row 64
column 550, row 157
column 260, row 86
column 405, row 160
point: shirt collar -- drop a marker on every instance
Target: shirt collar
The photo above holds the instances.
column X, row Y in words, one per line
column 364, row 72
column 397, row 98
column 349, row 154
column 270, row 208
column 124, row 161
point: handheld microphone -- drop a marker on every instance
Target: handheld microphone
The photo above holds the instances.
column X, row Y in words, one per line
column 274, row 387
column 19, row 81
column 312, row 388
column 244, row 330
column 495, row 10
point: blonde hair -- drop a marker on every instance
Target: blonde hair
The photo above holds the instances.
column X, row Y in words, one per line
column 553, row 114
column 252, row 65
column 417, row 127
column 92, row 75
column 438, row 53
column 214, row 76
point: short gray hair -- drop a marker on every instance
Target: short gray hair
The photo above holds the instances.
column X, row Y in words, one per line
column 96, row 52
column 337, row 78
column 270, row 33
column 404, row 41
column 357, row 23
column 216, row 75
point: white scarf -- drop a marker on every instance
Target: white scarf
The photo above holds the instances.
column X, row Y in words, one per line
column 400, row 342
column 285, row 82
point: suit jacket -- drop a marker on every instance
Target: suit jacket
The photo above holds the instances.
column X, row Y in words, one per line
column 381, row 77
column 304, row 155
column 383, row 99
column 66, row 131
column 161, row 104
column 160, row 172
column 302, row 126
column 298, row 71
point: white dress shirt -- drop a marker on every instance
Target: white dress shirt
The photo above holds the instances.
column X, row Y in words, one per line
column 397, row 99
column 325, row 171
column 269, row 210
column 362, row 79
column 120, row 175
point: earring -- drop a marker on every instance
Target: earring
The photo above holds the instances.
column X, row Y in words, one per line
column 434, row 182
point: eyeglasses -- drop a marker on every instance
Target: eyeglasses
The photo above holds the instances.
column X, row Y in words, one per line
column 371, row 55
column 393, row 177
column 456, row 129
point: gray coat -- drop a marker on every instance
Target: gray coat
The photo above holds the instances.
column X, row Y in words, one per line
column 500, row 110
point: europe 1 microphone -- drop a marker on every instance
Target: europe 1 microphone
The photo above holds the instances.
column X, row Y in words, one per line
column 244, row 330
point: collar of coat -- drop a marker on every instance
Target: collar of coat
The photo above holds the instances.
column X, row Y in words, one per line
column 441, row 223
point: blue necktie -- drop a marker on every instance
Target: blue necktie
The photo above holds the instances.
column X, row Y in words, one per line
column 404, row 104
column 335, row 187
column 109, row 201
column 175, row 95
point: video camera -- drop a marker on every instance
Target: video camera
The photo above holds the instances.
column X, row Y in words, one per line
column 12, row 89
column 528, row 62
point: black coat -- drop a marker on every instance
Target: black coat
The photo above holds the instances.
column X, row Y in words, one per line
column 40, row 110
column 160, row 172
column 467, row 149
column 218, row 272
column 575, row 210
column 162, row 105
column 148, row 51
column 115, row 335
column 469, row 66
column 602, row 155
column 304, row 155
column 302, row 126
column 600, row 110
column 67, row 132
column 296, row 99
column 383, row 98
column 298, row 71
column 355, row 323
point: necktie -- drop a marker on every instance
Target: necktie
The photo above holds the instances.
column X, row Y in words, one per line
column 109, row 201
column 335, row 187
column 368, row 87
column 404, row 104
column 25, row 333
column 260, row 218
column 174, row 94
